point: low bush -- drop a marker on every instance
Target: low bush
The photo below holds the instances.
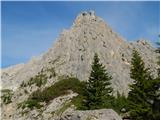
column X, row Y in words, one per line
column 52, row 72
column 65, row 106
column 7, row 96
column 30, row 104
column 58, row 89
column 63, row 86
column 38, row 80
column 78, row 102
column 119, row 103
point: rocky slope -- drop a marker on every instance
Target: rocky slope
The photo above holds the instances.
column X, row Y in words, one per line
column 72, row 55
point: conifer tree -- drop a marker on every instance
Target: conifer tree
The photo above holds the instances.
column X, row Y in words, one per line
column 154, row 96
column 156, row 87
column 98, row 86
column 142, row 94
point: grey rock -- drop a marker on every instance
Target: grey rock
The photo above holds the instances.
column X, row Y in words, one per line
column 102, row 114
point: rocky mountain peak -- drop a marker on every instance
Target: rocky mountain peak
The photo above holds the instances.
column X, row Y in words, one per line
column 73, row 51
column 72, row 55
column 85, row 17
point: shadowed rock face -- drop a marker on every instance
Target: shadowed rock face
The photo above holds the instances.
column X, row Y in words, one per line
column 73, row 52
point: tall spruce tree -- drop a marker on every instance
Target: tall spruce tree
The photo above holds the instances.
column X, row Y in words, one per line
column 156, row 87
column 98, row 86
column 143, row 90
column 153, row 93
column 154, row 96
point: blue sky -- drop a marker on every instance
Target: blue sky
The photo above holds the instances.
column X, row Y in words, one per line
column 30, row 28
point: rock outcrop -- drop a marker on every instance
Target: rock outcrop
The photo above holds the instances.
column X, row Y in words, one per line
column 102, row 114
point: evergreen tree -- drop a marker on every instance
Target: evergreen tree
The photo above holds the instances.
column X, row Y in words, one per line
column 154, row 96
column 153, row 93
column 143, row 90
column 156, row 87
column 98, row 86
column 137, row 96
column 158, row 51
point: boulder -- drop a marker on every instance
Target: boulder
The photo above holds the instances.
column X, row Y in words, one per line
column 102, row 114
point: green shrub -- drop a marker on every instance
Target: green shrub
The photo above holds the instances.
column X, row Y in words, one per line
column 52, row 72
column 7, row 96
column 58, row 89
column 117, row 103
column 65, row 106
column 121, row 102
column 30, row 104
column 23, row 84
column 38, row 80
column 25, row 91
column 78, row 102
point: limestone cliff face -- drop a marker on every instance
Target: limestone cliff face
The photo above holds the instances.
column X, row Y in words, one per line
column 73, row 52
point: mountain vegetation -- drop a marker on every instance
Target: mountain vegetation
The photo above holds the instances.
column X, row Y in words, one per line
column 6, row 96
column 60, row 88
column 142, row 102
column 142, row 96
column 98, row 86
column 79, row 76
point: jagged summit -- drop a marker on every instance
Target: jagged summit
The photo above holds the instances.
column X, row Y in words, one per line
column 85, row 17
